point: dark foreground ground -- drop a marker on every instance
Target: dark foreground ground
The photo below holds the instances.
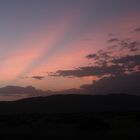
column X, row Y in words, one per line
column 111, row 125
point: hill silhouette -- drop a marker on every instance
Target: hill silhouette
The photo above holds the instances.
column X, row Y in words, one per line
column 72, row 116
column 72, row 103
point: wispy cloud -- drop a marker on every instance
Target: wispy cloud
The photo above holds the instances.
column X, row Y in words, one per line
column 91, row 71
column 137, row 30
column 38, row 77
column 112, row 40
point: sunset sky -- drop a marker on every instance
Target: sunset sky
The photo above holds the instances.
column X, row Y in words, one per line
column 40, row 39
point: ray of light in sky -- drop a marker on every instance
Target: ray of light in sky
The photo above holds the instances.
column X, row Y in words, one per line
column 42, row 36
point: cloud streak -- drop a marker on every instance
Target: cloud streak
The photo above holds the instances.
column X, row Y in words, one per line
column 38, row 77
column 18, row 92
column 137, row 30
column 112, row 40
column 91, row 71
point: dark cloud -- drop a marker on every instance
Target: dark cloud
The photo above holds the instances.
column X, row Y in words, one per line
column 17, row 89
column 100, row 55
column 134, row 60
column 134, row 46
column 38, row 77
column 101, row 58
column 30, row 91
column 91, row 71
column 106, row 56
column 95, row 56
column 118, row 84
column 103, row 54
column 124, row 44
column 112, row 40
column 131, row 63
column 131, row 46
column 137, row 30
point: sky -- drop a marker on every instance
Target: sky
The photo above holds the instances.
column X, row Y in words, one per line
column 43, row 43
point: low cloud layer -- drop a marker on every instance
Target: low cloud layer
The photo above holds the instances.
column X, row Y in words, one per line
column 119, row 84
column 10, row 93
column 30, row 91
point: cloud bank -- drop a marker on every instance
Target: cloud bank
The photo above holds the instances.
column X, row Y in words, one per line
column 117, row 68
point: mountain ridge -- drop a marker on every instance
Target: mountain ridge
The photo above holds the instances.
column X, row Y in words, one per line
column 72, row 103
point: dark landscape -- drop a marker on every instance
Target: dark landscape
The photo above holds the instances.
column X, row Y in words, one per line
column 72, row 117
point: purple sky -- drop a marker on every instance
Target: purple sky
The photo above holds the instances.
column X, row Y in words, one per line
column 44, row 43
